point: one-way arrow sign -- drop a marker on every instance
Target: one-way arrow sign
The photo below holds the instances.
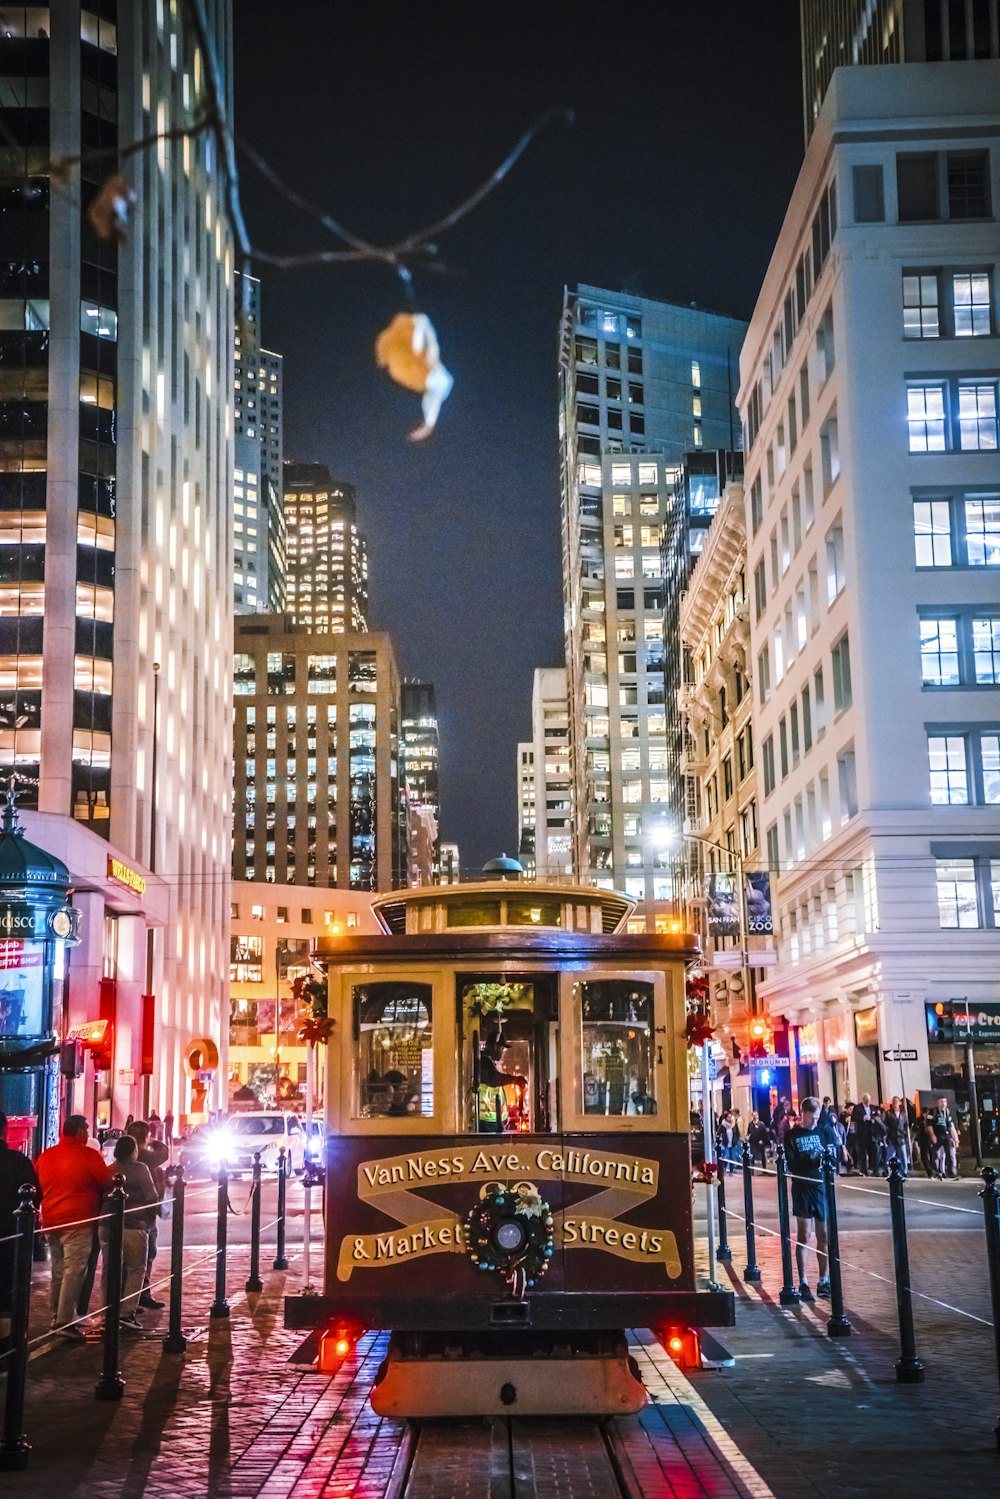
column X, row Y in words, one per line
column 899, row 1054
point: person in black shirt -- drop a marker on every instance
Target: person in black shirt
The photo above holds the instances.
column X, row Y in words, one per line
column 804, row 1145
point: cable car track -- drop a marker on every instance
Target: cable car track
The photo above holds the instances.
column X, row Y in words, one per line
column 512, row 1458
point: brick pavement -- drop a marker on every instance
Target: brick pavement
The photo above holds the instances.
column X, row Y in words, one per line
column 800, row 1416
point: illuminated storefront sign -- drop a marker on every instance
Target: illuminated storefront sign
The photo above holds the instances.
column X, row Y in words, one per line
column 122, row 874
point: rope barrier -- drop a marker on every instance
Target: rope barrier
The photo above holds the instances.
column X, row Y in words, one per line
column 863, row 1270
column 845, row 1185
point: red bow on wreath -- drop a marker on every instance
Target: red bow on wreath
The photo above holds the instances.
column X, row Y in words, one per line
column 698, row 1028
column 316, row 1028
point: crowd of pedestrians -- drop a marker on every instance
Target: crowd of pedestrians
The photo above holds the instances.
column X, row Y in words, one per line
column 74, row 1182
column 864, row 1136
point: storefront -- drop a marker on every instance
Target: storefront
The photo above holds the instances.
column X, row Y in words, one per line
column 963, row 1041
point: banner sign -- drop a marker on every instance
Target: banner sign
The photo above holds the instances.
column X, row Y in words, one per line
column 411, row 1207
column 722, row 894
column 757, row 885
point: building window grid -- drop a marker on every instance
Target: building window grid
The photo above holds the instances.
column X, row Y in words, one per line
column 921, row 308
column 971, row 304
column 949, row 775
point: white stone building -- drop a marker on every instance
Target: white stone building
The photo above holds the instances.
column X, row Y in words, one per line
column 869, row 393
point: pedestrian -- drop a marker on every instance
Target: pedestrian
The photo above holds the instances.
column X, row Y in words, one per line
column 758, row 1138
column 880, row 1135
column 16, row 1171
column 128, row 1120
column 728, row 1141
column 155, row 1126
column 152, row 1154
column 140, row 1212
column 944, row 1140
column 925, row 1144
column 805, row 1146
column 781, row 1108
column 897, row 1135
column 865, row 1157
column 168, row 1129
column 73, row 1178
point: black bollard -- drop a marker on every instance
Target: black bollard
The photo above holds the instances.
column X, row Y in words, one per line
column 991, row 1212
column 220, row 1306
column 254, row 1282
column 175, row 1341
column 788, row 1295
column 751, row 1273
column 281, row 1259
column 838, row 1325
column 111, row 1385
column 15, row 1447
column 723, row 1254
column 909, row 1369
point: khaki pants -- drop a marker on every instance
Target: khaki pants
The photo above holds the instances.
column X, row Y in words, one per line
column 70, row 1250
column 135, row 1245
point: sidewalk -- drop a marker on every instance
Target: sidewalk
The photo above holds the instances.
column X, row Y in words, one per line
column 800, row 1414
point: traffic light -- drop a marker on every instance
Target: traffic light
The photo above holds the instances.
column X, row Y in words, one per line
column 944, row 1021
column 760, row 1038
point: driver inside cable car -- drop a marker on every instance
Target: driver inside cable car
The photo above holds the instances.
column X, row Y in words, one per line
column 496, row 1109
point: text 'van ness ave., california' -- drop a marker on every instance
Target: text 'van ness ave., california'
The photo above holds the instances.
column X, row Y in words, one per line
column 535, row 1161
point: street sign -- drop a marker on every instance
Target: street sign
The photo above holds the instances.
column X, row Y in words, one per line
column 126, row 1076
column 769, row 1061
column 899, row 1054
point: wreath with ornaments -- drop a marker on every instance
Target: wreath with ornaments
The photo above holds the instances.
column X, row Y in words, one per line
column 510, row 1230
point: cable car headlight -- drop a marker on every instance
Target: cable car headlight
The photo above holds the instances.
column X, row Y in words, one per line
column 509, row 1236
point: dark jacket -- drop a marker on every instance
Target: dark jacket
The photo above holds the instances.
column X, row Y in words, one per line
column 141, row 1194
column 15, row 1171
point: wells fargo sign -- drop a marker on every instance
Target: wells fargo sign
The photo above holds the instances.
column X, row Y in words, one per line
column 396, row 1186
column 123, row 874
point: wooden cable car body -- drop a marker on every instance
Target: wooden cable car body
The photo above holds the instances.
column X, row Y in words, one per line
column 508, row 1175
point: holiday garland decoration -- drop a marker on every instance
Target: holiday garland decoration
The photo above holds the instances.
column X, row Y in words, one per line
column 698, row 1027
column 510, row 1230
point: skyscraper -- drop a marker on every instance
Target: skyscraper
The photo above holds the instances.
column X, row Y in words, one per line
column 841, row 33
column 549, row 803
column 642, row 382
column 116, row 460
column 258, row 502
column 317, row 795
column 419, row 753
column 326, row 564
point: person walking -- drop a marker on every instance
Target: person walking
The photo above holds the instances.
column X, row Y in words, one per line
column 805, row 1145
column 864, row 1137
column 944, row 1140
column 168, row 1129
column 152, row 1154
column 16, row 1171
column 728, row 1141
column 73, row 1178
column 897, row 1135
column 140, row 1212
column 758, row 1138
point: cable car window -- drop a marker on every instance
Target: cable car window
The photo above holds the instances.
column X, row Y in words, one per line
column 474, row 913
column 393, row 1033
column 509, row 1053
column 534, row 913
column 617, row 1047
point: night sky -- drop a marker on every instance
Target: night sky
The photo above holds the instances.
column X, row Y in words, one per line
column 672, row 183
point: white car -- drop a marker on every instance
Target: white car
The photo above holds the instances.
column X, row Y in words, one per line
column 242, row 1134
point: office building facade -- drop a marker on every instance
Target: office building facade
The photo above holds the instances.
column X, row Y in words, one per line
column 258, row 503
column 845, row 33
column 548, row 803
column 419, row 757
column 116, row 461
column 317, row 797
column 869, row 386
column 641, row 383
column 326, row 556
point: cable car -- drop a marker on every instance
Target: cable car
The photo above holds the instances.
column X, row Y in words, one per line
column 508, row 1173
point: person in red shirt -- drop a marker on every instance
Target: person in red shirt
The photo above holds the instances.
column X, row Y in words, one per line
column 73, row 1178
